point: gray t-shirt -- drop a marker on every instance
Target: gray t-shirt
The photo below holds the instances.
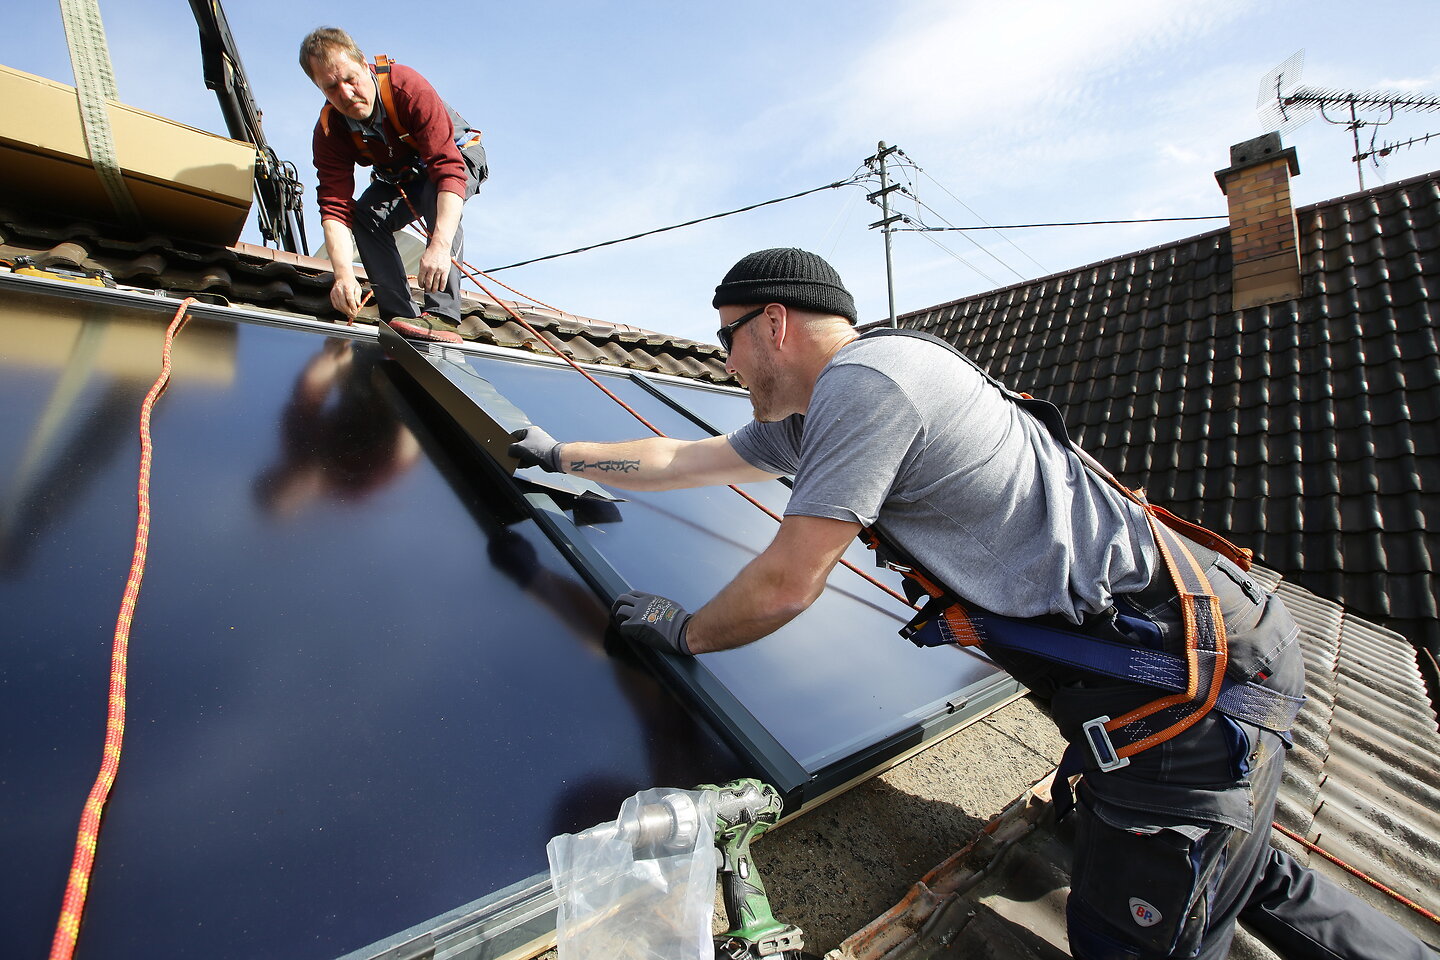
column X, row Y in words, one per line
column 903, row 434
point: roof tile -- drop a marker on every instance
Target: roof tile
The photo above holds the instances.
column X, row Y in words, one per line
column 251, row 276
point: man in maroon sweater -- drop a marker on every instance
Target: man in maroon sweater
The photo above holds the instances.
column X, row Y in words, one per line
column 426, row 149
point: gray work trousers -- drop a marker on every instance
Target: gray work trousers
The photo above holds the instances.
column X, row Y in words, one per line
column 380, row 211
column 1175, row 848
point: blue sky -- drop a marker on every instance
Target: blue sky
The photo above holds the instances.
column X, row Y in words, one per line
column 603, row 120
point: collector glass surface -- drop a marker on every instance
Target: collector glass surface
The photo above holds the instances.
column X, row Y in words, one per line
column 356, row 699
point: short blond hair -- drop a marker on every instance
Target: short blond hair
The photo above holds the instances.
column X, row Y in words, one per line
column 321, row 41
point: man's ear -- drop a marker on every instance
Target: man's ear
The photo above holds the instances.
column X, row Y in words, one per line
column 777, row 320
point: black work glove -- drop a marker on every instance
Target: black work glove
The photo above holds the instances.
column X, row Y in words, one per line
column 534, row 447
column 654, row 621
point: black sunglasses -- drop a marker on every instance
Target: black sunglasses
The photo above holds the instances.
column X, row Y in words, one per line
column 727, row 332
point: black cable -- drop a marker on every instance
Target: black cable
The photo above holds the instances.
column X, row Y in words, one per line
column 951, row 195
column 965, row 262
column 977, row 244
column 677, row 226
column 1075, row 223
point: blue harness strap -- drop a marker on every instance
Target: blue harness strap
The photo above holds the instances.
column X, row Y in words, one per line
column 1249, row 702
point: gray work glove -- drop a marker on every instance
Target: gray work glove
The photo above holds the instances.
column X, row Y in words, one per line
column 534, row 447
column 654, row 621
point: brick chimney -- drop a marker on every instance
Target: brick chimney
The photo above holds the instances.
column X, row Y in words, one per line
column 1264, row 241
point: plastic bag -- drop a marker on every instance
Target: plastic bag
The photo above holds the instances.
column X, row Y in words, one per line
column 641, row 887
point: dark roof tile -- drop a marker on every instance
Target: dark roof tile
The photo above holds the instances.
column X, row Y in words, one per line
column 250, row 276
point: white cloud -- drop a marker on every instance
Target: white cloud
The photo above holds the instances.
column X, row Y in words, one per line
column 949, row 68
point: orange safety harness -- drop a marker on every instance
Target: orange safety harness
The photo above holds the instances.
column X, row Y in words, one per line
column 380, row 69
column 1206, row 655
column 1114, row 741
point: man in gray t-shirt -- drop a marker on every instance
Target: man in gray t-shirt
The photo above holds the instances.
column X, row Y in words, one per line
column 904, row 435
column 910, row 436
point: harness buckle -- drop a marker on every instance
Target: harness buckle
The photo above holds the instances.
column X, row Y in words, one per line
column 1098, row 739
column 394, row 176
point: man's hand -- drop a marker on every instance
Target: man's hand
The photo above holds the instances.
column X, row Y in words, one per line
column 345, row 296
column 434, row 268
column 654, row 621
column 534, row 447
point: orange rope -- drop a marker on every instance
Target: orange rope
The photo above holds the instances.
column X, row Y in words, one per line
column 1358, row 873
column 470, row 272
column 67, row 930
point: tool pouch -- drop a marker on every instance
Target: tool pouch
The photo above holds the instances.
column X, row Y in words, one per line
column 1141, row 885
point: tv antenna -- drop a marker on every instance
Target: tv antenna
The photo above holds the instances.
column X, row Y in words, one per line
column 1284, row 105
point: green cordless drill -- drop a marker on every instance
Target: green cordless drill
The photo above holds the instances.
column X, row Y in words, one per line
column 745, row 809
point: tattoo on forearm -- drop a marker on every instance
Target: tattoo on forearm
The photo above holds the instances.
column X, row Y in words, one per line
column 605, row 466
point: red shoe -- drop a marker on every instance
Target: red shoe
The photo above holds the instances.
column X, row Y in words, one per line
column 428, row 326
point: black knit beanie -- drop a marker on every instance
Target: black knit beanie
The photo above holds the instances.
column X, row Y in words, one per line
column 788, row 276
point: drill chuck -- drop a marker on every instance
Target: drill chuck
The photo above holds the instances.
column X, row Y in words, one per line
column 655, row 829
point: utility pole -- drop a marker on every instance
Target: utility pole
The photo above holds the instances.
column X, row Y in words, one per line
column 883, row 195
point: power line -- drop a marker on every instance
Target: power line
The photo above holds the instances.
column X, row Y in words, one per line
column 979, row 246
column 1072, row 223
column 688, row 223
column 962, row 260
column 977, row 216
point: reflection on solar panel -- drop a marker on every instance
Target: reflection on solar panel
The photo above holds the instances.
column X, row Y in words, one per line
column 369, row 675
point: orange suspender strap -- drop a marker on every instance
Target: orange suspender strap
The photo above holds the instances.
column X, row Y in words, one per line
column 1206, row 656
column 1206, row 650
column 386, row 91
column 1206, row 647
column 1243, row 557
column 387, row 97
column 361, row 146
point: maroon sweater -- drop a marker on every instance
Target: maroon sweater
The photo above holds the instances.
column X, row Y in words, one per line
column 430, row 123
